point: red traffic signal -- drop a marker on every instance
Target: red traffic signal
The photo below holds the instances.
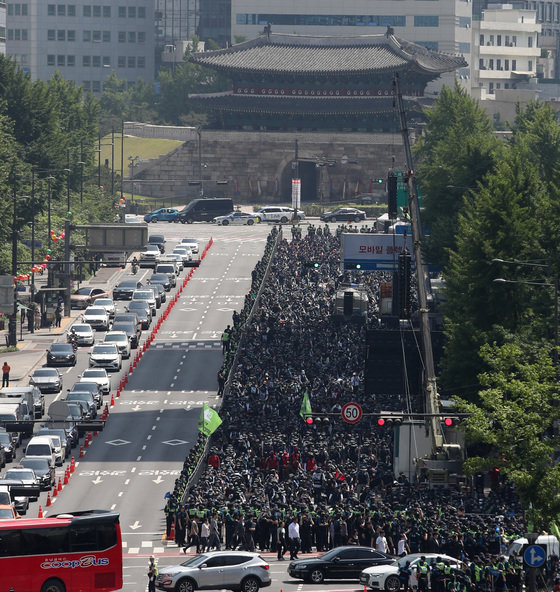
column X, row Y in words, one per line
column 448, row 421
column 380, row 422
column 309, row 420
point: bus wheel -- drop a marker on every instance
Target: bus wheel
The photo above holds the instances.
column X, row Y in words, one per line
column 53, row 585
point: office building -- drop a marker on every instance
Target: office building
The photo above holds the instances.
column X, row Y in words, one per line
column 84, row 41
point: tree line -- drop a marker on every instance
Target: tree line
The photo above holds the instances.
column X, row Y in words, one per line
column 491, row 207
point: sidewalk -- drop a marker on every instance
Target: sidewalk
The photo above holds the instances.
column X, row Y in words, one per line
column 32, row 346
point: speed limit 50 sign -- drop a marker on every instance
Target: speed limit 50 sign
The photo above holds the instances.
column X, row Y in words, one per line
column 351, row 412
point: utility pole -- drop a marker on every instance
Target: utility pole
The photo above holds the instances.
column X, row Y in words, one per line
column 32, row 299
column 12, row 324
column 67, row 274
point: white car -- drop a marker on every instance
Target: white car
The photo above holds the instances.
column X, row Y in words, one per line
column 191, row 243
column 386, row 577
column 121, row 340
column 107, row 304
column 280, row 214
column 185, row 252
column 97, row 317
column 178, row 258
column 98, row 375
column 82, row 333
column 240, row 218
column 105, row 355
column 150, row 256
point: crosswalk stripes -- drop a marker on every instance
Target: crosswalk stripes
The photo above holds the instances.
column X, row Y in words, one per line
column 187, row 345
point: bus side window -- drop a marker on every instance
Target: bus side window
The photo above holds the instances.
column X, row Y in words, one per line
column 10, row 543
column 106, row 535
column 44, row 541
column 83, row 538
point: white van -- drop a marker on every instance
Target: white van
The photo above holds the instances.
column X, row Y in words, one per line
column 56, row 446
column 12, row 410
column 551, row 542
column 41, row 446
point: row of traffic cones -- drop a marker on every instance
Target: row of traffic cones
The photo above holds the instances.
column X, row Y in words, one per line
column 57, row 488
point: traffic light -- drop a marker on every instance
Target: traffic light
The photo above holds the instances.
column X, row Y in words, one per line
column 392, row 196
column 309, row 420
column 322, row 422
column 389, row 421
column 379, row 181
column 451, row 421
column 404, row 285
column 353, row 266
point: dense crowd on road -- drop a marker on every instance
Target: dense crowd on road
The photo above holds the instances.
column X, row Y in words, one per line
column 265, row 466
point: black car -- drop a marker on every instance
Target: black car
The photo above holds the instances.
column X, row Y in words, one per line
column 344, row 215
column 142, row 310
column 61, row 354
column 93, row 388
column 159, row 240
column 8, row 445
column 131, row 331
column 43, row 470
column 161, row 278
column 340, row 563
column 123, row 290
column 160, row 291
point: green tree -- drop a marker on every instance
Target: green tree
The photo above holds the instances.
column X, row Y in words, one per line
column 513, row 420
column 501, row 220
column 455, row 154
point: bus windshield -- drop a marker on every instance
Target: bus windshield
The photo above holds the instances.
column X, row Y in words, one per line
column 83, row 551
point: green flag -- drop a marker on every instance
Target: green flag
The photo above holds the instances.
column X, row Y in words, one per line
column 305, row 409
column 209, row 420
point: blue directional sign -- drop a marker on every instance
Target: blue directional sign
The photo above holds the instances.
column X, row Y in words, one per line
column 534, row 556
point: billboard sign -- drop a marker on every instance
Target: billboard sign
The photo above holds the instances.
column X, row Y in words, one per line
column 296, row 193
column 374, row 251
column 115, row 237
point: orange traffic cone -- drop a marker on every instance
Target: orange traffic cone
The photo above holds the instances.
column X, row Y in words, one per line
column 54, row 492
column 172, row 533
column 112, row 400
column 40, row 514
column 59, row 488
column 81, row 452
column 72, row 465
column 49, row 503
column 106, row 410
column 65, row 477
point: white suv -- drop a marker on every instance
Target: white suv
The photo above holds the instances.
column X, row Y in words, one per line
column 280, row 214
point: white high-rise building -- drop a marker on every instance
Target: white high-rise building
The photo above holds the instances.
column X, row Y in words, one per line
column 3, row 28
column 83, row 40
column 505, row 50
column 441, row 25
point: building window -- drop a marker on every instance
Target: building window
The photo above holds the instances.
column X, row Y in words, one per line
column 87, row 10
column 141, row 12
column 106, row 36
column 107, row 12
column 106, row 61
column 97, row 36
column 498, row 85
column 507, row 40
column 71, row 35
column 96, row 61
column 61, row 35
column 96, row 10
column 141, row 36
column 24, row 34
column 121, row 62
column 529, row 41
column 514, row 64
column 132, row 36
column 131, row 62
column 51, row 35
column 10, row 34
column 86, row 61
column 70, row 61
column 51, row 9
column 96, row 87
column 86, row 36
column 506, row 85
column 464, row 47
column 17, row 34
column 514, row 40
column 122, row 36
column 490, row 64
column 132, row 12
column 506, row 64
column 61, row 61
column 481, row 64
column 481, row 40
column 71, row 10
column 141, row 62
column 491, row 88
column 61, row 9
column 122, row 11
column 491, row 42
column 87, row 85
column 498, row 40
column 464, row 22
column 50, row 60
column 426, row 21
column 530, row 65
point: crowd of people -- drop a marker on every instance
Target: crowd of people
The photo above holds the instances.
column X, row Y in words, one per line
column 265, row 466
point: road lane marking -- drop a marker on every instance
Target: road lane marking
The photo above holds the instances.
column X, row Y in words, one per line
column 127, row 482
column 133, row 470
column 138, row 458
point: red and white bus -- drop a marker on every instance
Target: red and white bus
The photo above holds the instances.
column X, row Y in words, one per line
column 80, row 552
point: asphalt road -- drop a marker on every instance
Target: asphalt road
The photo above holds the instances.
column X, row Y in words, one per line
column 134, row 461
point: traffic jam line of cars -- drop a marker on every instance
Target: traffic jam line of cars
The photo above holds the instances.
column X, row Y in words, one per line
column 50, row 446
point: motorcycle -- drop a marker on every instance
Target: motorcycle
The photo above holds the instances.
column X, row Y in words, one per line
column 73, row 339
column 134, row 268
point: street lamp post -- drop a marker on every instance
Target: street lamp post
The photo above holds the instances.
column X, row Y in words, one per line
column 199, row 134
column 12, row 325
column 67, row 275
column 553, row 284
column 32, row 289
column 133, row 162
